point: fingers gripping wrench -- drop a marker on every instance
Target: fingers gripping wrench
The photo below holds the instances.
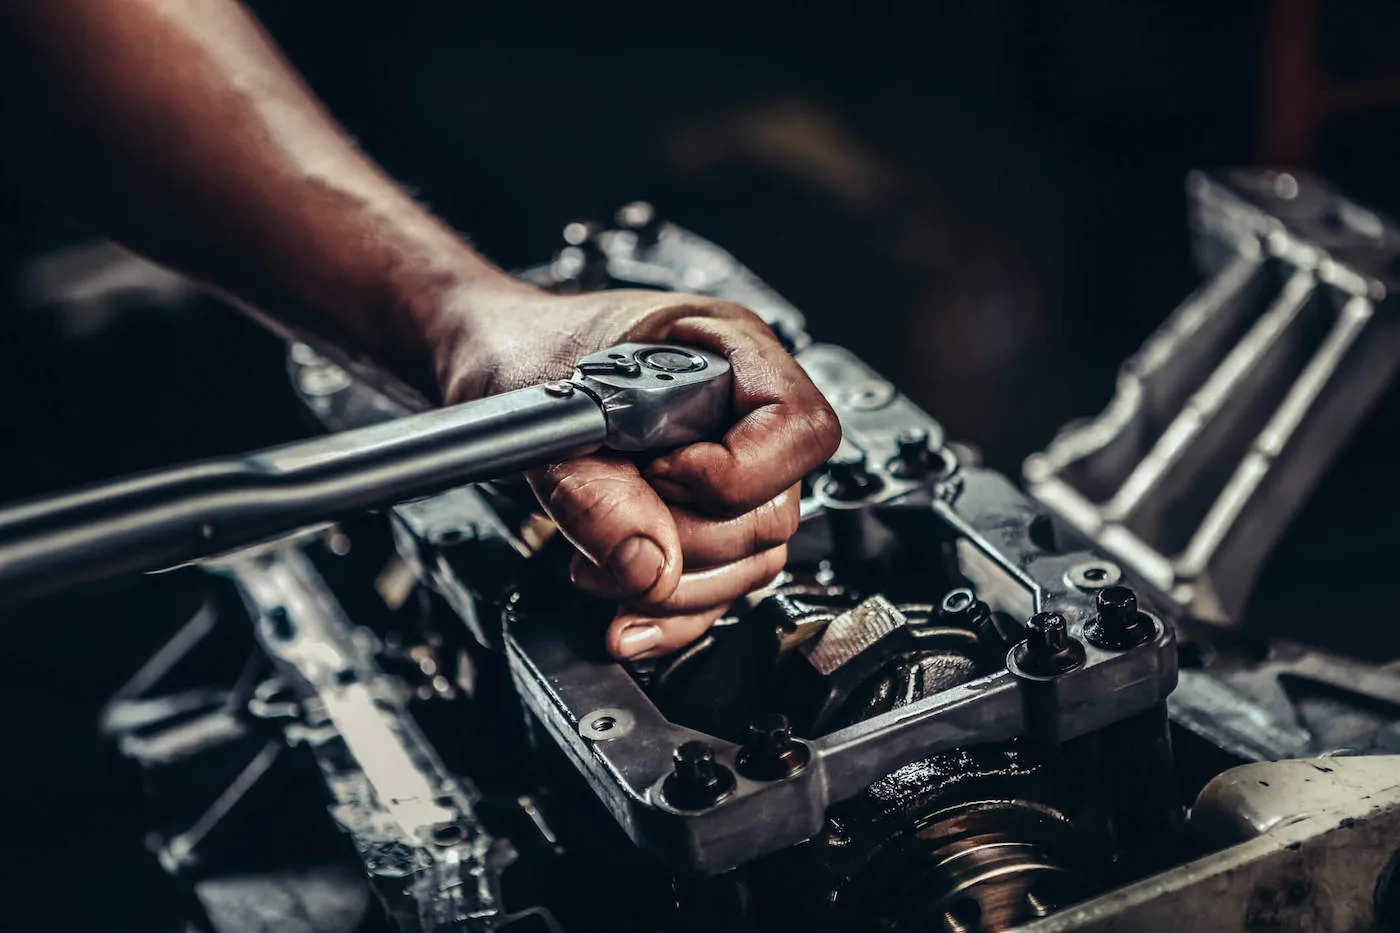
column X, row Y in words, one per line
column 636, row 397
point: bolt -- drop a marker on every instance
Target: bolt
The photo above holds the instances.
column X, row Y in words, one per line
column 1046, row 634
column 915, row 457
column 1048, row 649
column 849, row 478
column 962, row 608
column 559, row 389
column 640, row 217
column 1119, row 624
column 770, row 754
column 698, row 781
column 1039, row 905
column 1118, row 607
column 957, row 602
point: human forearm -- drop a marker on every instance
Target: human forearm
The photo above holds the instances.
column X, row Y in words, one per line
column 177, row 127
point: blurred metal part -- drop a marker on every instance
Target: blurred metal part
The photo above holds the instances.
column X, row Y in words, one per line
column 427, row 855
column 1297, row 702
column 646, row 253
column 87, row 284
column 1310, row 846
column 1230, row 413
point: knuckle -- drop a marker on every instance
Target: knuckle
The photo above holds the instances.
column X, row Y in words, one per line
column 776, row 522
column 825, row 429
column 579, row 497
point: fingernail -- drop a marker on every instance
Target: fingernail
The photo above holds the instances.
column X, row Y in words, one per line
column 638, row 639
column 636, row 564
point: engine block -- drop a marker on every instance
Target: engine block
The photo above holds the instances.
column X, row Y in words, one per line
column 954, row 709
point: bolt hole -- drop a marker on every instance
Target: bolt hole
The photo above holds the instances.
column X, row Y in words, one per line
column 1095, row 574
column 602, row 724
column 664, row 378
column 1042, row 535
column 281, row 623
column 617, row 356
column 447, row 834
column 957, row 601
column 445, row 800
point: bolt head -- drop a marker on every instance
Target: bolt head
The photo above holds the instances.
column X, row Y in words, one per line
column 912, row 440
column 850, row 479
column 1047, row 633
column 694, row 758
column 770, row 754
column 769, row 734
column 697, row 781
column 1119, row 624
column 1118, row 606
column 1048, row 650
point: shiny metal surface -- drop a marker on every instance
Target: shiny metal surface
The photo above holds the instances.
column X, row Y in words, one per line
column 653, row 407
column 1309, row 846
column 1229, row 415
column 562, row 681
column 161, row 519
column 169, row 517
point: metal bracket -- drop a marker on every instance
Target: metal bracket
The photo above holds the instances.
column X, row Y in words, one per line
column 1231, row 412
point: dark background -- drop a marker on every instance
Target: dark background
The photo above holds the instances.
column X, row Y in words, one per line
column 983, row 199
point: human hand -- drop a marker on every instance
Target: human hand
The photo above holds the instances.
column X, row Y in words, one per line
column 676, row 540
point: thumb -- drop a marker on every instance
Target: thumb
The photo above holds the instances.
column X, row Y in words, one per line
column 616, row 520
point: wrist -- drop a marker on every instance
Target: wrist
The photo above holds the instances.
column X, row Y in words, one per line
column 449, row 309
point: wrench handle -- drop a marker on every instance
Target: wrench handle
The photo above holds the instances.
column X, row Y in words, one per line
column 157, row 520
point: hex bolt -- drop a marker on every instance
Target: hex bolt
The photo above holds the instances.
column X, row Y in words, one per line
column 770, row 754
column 698, row 781
column 1118, row 607
column 848, row 476
column 1047, row 633
column 1119, row 624
column 915, row 457
column 1048, row 649
column 962, row 608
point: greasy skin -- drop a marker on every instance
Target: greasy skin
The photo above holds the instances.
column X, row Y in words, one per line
column 678, row 539
column 178, row 129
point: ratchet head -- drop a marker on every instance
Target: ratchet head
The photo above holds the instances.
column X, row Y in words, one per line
column 657, row 396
